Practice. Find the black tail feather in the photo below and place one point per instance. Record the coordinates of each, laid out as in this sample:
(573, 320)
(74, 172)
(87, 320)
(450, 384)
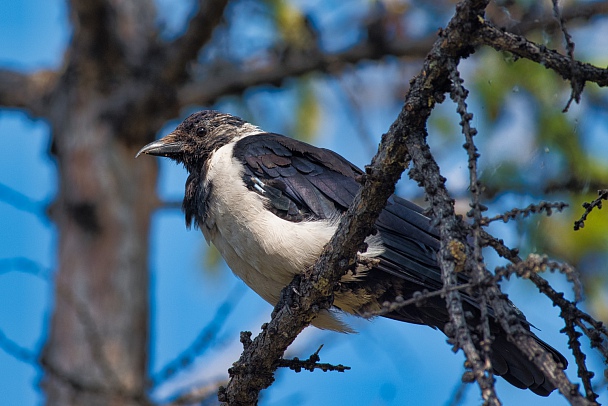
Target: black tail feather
(518, 370)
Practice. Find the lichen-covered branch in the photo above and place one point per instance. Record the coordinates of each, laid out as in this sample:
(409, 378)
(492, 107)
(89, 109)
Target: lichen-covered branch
(483, 376)
(546, 207)
(520, 46)
(254, 370)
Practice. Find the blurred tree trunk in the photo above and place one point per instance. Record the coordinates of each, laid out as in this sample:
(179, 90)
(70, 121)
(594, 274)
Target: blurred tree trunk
(118, 86)
(97, 348)
(99, 328)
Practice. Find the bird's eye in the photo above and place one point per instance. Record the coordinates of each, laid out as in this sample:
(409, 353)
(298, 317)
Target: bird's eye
(201, 131)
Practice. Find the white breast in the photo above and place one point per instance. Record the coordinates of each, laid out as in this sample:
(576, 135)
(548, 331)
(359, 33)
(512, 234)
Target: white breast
(262, 249)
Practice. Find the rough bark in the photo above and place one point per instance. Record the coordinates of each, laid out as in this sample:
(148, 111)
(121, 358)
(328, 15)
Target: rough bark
(405, 142)
(97, 348)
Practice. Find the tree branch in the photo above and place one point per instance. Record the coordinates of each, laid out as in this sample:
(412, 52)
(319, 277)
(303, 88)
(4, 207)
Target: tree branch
(254, 370)
(26, 91)
(523, 48)
(25, 265)
(183, 50)
(547, 207)
(483, 371)
(569, 312)
(584, 11)
(202, 341)
(451, 228)
(603, 195)
(223, 79)
(311, 364)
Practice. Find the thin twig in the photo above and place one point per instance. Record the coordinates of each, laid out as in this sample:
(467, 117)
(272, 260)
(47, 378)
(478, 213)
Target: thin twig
(484, 377)
(576, 83)
(603, 195)
(418, 298)
(16, 351)
(202, 341)
(529, 269)
(311, 364)
(22, 202)
(579, 356)
(547, 207)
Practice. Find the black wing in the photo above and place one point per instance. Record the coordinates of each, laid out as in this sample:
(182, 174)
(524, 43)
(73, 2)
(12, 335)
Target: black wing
(300, 181)
(303, 182)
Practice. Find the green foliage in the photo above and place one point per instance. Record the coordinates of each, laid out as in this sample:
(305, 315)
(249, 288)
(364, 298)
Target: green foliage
(506, 175)
(568, 165)
(443, 126)
(211, 260)
(308, 111)
(500, 75)
(554, 130)
(556, 235)
(291, 24)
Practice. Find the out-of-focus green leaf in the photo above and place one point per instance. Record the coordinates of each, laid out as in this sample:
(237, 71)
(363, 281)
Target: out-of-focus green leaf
(503, 75)
(504, 176)
(443, 126)
(291, 24)
(556, 234)
(554, 130)
(597, 296)
(555, 237)
(212, 259)
(308, 111)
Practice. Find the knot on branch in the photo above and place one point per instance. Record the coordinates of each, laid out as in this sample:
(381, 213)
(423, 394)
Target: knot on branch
(311, 364)
(457, 252)
(245, 339)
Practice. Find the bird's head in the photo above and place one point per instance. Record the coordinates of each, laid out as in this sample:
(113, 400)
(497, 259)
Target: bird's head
(198, 136)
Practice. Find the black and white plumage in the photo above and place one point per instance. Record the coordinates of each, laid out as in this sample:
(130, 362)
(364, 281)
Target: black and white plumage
(270, 203)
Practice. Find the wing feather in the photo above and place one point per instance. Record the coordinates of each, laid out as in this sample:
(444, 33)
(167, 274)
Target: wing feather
(302, 182)
(305, 182)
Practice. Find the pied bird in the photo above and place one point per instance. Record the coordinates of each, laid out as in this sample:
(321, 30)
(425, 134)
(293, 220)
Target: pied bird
(270, 203)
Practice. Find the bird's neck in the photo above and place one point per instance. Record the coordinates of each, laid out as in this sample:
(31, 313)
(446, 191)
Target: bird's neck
(196, 197)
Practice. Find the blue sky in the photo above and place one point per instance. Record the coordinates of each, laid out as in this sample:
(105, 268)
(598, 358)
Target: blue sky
(32, 35)
(392, 362)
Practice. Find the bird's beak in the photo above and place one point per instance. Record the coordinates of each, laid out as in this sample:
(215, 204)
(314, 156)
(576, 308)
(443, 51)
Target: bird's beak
(167, 146)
